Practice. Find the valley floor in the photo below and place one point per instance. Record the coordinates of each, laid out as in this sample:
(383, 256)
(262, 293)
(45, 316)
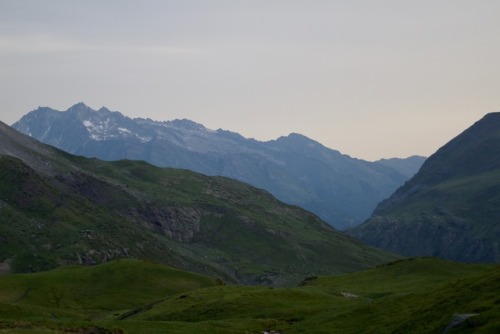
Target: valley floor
(420, 295)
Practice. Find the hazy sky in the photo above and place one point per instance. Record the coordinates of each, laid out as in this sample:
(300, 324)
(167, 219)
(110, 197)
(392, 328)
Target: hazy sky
(370, 78)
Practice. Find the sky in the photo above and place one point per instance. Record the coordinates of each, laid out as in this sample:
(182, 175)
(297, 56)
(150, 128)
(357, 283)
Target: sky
(372, 79)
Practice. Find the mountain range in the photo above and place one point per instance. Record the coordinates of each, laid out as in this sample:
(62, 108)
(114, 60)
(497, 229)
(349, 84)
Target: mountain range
(341, 190)
(59, 209)
(451, 207)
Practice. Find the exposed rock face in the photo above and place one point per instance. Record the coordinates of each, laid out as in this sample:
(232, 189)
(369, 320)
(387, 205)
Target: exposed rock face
(95, 256)
(448, 238)
(458, 319)
(5, 267)
(179, 223)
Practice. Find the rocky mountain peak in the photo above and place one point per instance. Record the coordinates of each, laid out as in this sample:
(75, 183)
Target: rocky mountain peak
(475, 150)
(79, 107)
(104, 110)
(187, 124)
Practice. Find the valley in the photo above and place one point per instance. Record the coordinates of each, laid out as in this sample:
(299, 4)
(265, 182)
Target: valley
(94, 246)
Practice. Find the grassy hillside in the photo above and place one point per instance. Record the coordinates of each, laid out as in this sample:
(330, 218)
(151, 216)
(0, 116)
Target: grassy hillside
(451, 207)
(59, 209)
(78, 297)
(121, 284)
(419, 295)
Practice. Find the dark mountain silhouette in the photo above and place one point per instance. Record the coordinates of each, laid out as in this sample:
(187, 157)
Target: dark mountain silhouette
(451, 207)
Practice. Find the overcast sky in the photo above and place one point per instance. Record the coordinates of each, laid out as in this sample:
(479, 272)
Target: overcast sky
(370, 78)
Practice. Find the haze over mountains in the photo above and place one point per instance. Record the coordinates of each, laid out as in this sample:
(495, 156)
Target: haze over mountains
(297, 170)
(451, 207)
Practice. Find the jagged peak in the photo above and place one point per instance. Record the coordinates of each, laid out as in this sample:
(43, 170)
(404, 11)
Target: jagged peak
(297, 138)
(80, 105)
(229, 134)
(42, 108)
(297, 141)
(104, 110)
(187, 123)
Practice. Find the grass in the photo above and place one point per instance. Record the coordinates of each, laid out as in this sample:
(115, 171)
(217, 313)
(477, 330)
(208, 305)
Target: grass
(454, 219)
(418, 295)
(122, 284)
(92, 211)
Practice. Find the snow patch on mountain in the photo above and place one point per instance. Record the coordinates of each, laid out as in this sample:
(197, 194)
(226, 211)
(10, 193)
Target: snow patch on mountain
(124, 130)
(95, 130)
(143, 139)
(109, 129)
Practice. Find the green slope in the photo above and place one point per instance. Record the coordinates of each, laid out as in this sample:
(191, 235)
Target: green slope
(59, 209)
(77, 297)
(419, 295)
(121, 284)
(451, 207)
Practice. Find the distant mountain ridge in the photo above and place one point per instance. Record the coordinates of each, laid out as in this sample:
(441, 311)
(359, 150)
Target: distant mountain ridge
(341, 190)
(451, 207)
(408, 166)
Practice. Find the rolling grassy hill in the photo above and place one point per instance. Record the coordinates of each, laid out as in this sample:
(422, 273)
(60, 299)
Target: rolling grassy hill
(58, 209)
(420, 295)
